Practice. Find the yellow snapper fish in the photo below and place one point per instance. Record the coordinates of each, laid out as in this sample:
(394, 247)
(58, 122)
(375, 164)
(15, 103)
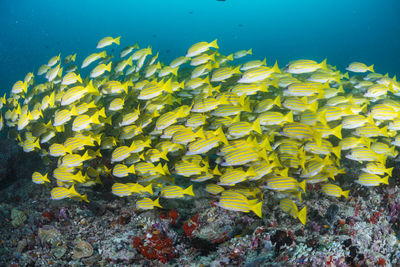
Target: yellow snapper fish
(334, 190)
(122, 152)
(147, 203)
(100, 69)
(359, 67)
(92, 58)
(258, 74)
(53, 61)
(207, 117)
(291, 208)
(305, 66)
(128, 189)
(242, 53)
(200, 47)
(38, 178)
(368, 179)
(253, 64)
(127, 50)
(58, 193)
(237, 202)
(106, 41)
(173, 191)
(71, 78)
(377, 168)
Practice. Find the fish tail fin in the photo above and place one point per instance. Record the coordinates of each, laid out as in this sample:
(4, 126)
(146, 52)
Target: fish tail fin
(250, 172)
(385, 180)
(302, 185)
(73, 58)
(264, 62)
(288, 117)
(277, 101)
(163, 155)
(189, 191)
(72, 190)
(160, 169)
(84, 198)
(246, 105)
(256, 126)
(45, 178)
(166, 170)
(323, 65)
(215, 171)
(371, 68)
(132, 146)
(60, 128)
(95, 118)
(156, 202)
(103, 54)
(313, 106)
(86, 156)
(389, 171)
(383, 131)
(131, 169)
(266, 144)
(322, 117)
(36, 144)
(237, 70)
(346, 193)
(108, 66)
(221, 136)
(302, 215)
(117, 40)
(174, 71)
(275, 68)
(200, 133)
(214, 44)
(149, 189)
(257, 208)
(250, 51)
(370, 119)
(337, 131)
(337, 151)
(129, 61)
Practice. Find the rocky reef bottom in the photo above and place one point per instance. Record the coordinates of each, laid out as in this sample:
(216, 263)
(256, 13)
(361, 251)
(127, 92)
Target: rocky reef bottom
(36, 231)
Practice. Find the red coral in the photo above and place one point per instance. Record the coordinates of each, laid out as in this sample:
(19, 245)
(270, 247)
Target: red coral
(381, 262)
(191, 225)
(330, 261)
(155, 246)
(48, 215)
(163, 216)
(173, 214)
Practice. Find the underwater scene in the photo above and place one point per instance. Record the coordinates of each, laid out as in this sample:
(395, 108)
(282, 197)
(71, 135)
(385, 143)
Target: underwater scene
(199, 133)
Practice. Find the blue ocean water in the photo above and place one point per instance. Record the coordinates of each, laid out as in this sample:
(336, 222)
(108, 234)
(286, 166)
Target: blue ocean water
(342, 31)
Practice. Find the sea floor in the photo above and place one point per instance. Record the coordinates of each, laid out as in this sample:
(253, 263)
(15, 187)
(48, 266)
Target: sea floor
(37, 231)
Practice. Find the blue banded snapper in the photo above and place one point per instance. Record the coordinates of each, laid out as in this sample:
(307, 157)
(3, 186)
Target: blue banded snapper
(106, 41)
(173, 191)
(248, 126)
(58, 193)
(290, 207)
(368, 179)
(147, 203)
(237, 202)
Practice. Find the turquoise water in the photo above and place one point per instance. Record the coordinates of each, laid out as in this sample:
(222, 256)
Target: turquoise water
(342, 31)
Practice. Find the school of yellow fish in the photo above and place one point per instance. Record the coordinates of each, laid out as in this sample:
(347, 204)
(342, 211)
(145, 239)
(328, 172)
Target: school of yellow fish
(235, 129)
